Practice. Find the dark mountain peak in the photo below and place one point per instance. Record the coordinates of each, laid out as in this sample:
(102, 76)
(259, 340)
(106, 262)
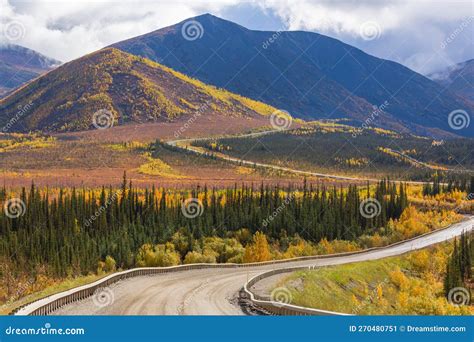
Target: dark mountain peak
(19, 65)
(17, 54)
(211, 21)
(457, 78)
(310, 75)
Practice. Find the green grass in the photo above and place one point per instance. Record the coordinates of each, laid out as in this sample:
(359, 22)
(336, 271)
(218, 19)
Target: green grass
(409, 285)
(64, 285)
(333, 288)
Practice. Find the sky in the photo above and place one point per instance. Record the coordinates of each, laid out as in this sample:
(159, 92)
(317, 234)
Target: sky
(426, 36)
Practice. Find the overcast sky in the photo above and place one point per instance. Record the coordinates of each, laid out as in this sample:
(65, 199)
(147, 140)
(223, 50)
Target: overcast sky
(423, 35)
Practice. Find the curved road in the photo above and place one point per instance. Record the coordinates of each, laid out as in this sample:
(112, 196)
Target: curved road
(215, 291)
(179, 144)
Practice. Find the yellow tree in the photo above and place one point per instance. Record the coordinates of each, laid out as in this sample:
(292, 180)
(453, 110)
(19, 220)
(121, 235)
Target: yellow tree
(258, 250)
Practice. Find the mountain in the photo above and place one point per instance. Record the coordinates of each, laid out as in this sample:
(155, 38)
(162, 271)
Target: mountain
(19, 65)
(111, 85)
(310, 75)
(458, 78)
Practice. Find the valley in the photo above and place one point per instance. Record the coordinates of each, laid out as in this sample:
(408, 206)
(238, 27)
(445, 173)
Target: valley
(225, 156)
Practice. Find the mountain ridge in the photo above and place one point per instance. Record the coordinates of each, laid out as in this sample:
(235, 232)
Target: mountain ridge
(310, 75)
(19, 65)
(125, 88)
(457, 78)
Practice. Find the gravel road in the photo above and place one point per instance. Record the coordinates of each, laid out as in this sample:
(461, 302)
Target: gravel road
(214, 291)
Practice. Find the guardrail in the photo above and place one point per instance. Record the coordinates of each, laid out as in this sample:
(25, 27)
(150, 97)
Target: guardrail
(51, 303)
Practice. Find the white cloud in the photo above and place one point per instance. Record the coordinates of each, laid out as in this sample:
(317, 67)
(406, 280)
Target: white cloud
(69, 29)
(411, 32)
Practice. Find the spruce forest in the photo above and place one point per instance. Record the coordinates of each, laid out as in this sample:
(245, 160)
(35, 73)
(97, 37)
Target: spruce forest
(71, 231)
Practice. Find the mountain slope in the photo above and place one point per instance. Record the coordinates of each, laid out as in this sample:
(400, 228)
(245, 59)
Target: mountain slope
(19, 65)
(308, 74)
(458, 79)
(122, 87)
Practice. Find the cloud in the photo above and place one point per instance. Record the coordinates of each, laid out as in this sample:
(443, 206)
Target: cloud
(410, 32)
(69, 29)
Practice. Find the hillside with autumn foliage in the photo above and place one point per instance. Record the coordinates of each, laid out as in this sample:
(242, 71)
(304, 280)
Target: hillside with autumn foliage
(124, 88)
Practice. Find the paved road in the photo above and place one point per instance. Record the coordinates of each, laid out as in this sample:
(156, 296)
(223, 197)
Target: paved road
(426, 165)
(186, 144)
(214, 291)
